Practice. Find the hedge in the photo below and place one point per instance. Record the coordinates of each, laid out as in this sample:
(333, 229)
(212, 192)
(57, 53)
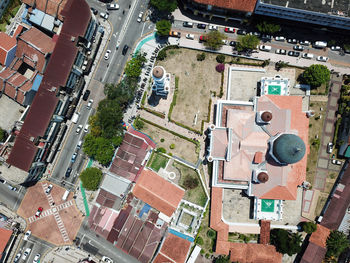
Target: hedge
(186, 127)
(208, 116)
(173, 102)
(156, 113)
(222, 85)
(143, 100)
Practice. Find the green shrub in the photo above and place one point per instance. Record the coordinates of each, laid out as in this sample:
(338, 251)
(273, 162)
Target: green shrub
(144, 97)
(91, 178)
(201, 56)
(200, 241)
(173, 102)
(211, 233)
(139, 124)
(190, 182)
(162, 140)
(309, 227)
(172, 146)
(162, 55)
(220, 58)
(161, 150)
(207, 255)
(156, 113)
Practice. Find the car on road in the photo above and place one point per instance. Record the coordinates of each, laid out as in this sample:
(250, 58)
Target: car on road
(280, 38)
(107, 54)
(281, 51)
(213, 27)
(175, 34)
(139, 18)
(229, 30)
(12, 188)
(292, 41)
(233, 43)
(125, 50)
(74, 157)
(27, 235)
(26, 253)
(112, 7)
(187, 24)
(298, 48)
(79, 144)
(293, 53)
(79, 129)
(86, 128)
(190, 36)
(94, 11)
(257, 34)
(49, 188)
(320, 44)
(68, 172)
(39, 211)
(17, 258)
(203, 38)
(201, 26)
(335, 48)
(336, 162)
(104, 15)
(241, 32)
(304, 42)
(330, 147)
(36, 258)
(107, 259)
(86, 95)
(2, 181)
(265, 48)
(91, 101)
(322, 58)
(307, 55)
(266, 37)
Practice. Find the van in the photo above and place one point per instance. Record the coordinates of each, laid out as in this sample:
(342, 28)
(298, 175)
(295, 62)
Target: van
(75, 117)
(65, 195)
(320, 44)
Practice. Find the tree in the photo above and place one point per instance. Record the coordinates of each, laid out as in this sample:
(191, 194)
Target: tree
(2, 135)
(190, 182)
(164, 5)
(220, 67)
(201, 56)
(223, 259)
(134, 66)
(211, 233)
(101, 149)
(139, 124)
(220, 58)
(91, 178)
(247, 42)
(337, 242)
(162, 54)
(316, 75)
(286, 242)
(163, 27)
(214, 39)
(268, 28)
(309, 227)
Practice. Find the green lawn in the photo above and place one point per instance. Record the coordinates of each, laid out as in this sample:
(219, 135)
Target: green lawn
(158, 161)
(196, 195)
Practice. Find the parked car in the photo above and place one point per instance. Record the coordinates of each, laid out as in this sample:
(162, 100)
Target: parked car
(36, 258)
(12, 188)
(307, 55)
(79, 128)
(107, 54)
(79, 144)
(292, 41)
(213, 27)
(336, 162)
(322, 59)
(320, 44)
(94, 11)
(229, 30)
(187, 24)
(175, 34)
(68, 172)
(74, 157)
(27, 235)
(294, 53)
(201, 26)
(107, 259)
(49, 188)
(266, 37)
(125, 50)
(104, 15)
(233, 43)
(91, 101)
(190, 36)
(26, 253)
(203, 38)
(304, 42)
(224, 41)
(17, 258)
(281, 51)
(241, 32)
(298, 48)
(86, 95)
(335, 48)
(265, 48)
(139, 18)
(38, 212)
(86, 128)
(112, 6)
(330, 147)
(2, 181)
(280, 38)
(257, 34)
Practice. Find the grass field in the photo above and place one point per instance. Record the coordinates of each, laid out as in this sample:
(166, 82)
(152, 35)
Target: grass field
(158, 161)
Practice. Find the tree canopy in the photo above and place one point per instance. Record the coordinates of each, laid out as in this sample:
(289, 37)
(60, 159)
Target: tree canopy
(247, 42)
(164, 5)
(2, 135)
(163, 27)
(316, 75)
(214, 39)
(268, 28)
(285, 241)
(134, 66)
(337, 242)
(309, 227)
(222, 259)
(91, 178)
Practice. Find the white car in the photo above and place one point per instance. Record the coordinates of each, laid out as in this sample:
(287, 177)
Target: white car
(281, 51)
(107, 54)
(336, 162)
(104, 15)
(48, 189)
(107, 259)
(322, 59)
(79, 128)
(36, 258)
(280, 38)
(213, 27)
(17, 258)
(330, 147)
(86, 128)
(265, 48)
(90, 103)
(190, 36)
(335, 48)
(225, 42)
(27, 235)
(26, 253)
(112, 6)
(307, 55)
(139, 18)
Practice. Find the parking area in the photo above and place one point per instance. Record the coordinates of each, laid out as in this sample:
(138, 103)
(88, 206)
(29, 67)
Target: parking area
(59, 220)
(10, 111)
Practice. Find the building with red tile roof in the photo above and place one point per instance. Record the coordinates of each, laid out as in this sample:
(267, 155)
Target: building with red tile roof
(51, 7)
(234, 5)
(158, 192)
(252, 253)
(174, 249)
(8, 45)
(5, 236)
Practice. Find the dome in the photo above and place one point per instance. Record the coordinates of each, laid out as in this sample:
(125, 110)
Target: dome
(266, 116)
(289, 148)
(263, 177)
(158, 72)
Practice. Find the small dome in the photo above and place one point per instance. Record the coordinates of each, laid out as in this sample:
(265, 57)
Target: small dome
(263, 177)
(289, 148)
(266, 116)
(158, 72)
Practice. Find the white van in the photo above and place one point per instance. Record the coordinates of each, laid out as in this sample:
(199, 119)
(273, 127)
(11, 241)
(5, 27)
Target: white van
(320, 44)
(265, 48)
(65, 195)
(75, 117)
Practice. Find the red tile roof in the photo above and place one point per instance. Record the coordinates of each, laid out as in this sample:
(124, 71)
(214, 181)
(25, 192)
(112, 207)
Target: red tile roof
(239, 5)
(253, 253)
(319, 237)
(174, 249)
(51, 7)
(264, 232)
(7, 42)
(158, 192)
(313, 254)
(258, 157)
(38, 40)
(5, 235)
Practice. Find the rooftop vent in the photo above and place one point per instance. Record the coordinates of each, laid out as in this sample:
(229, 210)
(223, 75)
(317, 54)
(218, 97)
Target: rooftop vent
(263, 177)
(263, 117)
(72, 39)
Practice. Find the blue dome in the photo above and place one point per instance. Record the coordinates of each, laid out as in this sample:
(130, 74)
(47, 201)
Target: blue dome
(289, 148)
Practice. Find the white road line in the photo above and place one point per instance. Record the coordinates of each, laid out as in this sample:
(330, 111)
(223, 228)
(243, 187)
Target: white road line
(143, 29)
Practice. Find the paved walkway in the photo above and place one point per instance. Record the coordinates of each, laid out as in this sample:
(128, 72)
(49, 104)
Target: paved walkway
(66, 254)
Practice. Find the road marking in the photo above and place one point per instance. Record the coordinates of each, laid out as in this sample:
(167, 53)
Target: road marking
(143, 27)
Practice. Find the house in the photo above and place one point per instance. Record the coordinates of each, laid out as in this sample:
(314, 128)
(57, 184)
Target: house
(5, 239)
(51, 7)
(8, 45)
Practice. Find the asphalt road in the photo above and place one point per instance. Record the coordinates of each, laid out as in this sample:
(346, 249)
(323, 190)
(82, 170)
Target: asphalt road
(11, 199)
(36, 245)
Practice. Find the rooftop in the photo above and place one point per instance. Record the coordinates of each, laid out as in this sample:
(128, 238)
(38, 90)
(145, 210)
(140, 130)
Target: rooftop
(247, 253)
(38, 40)
(239, 5)
(51, 7)
(158, 192)
(5, 236)
(7, 42)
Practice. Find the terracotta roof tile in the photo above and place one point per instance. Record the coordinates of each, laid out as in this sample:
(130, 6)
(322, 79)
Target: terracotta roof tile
(264, 232)
(313, 254)
(7, 42)
(319, 237)
(38, 40)
(239, 5)
(253, 253)
(258, 157)
(5, 235)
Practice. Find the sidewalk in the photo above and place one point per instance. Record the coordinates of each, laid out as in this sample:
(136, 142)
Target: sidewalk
(66, 254)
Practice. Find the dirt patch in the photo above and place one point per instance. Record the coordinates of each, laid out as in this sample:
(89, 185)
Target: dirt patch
(196, 80)
(164, 139)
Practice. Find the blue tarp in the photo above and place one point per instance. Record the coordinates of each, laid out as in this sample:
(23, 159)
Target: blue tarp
(37, 17)
(179, 234)
(37, 82)
(144, 209)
